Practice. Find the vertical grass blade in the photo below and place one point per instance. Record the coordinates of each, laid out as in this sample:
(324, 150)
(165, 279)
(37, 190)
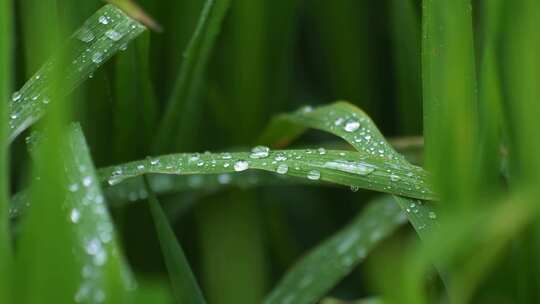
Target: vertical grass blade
(77, 236)
(406, 44)
(183, 282)
(182, 107)
(321, 269)
(6, 83)
(449, 88)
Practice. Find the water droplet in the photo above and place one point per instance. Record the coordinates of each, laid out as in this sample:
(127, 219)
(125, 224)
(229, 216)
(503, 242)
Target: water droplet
(74, 187)
(314, 175)
(75, 215)
(113, 35)
(140, 167)
(351, 126)
(104, 20)
(226, 156)
(282, 169)
(280, 157)
(359, 168)
(432, 215)
(338, 122)
(224, 179)
(322, 151)
(87, 181)
(85, 35)
(16, 96)
(154, 161)
(394, 177)
(355, 188)
(45, 100)
(97, 57)
(259, 152)
(241, 165)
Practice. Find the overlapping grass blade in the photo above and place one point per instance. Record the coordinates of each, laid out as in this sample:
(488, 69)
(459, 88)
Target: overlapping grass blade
(91, 259)
(339, 118)
(340, 167)
(184, 285)
(6, 82)
(182, 107)
(105, 33)
(321, 269)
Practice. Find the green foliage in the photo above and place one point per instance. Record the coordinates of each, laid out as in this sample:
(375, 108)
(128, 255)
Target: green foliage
(267, 224)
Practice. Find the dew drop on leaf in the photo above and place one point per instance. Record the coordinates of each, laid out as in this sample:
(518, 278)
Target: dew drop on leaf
(282, 169)
(351, 126)
(314, 175)
(241, 165)
(259, 152)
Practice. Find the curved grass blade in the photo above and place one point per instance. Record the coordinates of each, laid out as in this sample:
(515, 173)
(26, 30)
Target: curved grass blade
(355, 127)
(339, 167)
(105, 33)
(93, 263)
(182, 105)
(184, 284)
(6, 81)
(320, 270)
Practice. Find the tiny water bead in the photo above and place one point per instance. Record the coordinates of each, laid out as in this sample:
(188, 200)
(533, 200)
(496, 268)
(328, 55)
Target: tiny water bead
(314, 175)
(394, 177)
(259, 152)
(241, 165)
(351, 126)
(75, 215)
(282, 169)
(432, 215)
(85, 35)
(16, 96)
(358, 168)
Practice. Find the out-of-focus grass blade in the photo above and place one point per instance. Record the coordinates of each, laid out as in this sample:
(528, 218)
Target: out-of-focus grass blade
(450, 103)
(105, 33)
(136, 12)
(6, 81)
(183, 282)
(91, 264)
(363, 301)
(182, 106)
(339, 167)
(321, 269)
(406, 49)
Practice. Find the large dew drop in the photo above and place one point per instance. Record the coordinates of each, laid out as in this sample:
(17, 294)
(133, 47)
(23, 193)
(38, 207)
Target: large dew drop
(359, 168)
(241, 165)
(113, 35)
(351, 126)
(259, 152)
(282, 169)
(314, 175)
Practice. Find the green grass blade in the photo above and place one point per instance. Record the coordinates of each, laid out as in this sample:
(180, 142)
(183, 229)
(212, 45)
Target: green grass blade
(183, 282)
(182, 107)
(93, 268)
(339, 167)
(320, 270)
(450, 104)
(6, 83)
(105, 33)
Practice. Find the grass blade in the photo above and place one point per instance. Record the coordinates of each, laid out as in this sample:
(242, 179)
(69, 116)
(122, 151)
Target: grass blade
(90, 255)
(103, 35)
(6, 83)
(450, 103)
(182, 107)
(183, 282)
(339, 167)
(320, 270)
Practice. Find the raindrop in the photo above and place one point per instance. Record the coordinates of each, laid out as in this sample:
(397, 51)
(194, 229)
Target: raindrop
(16, 96)
(355, 188)
(359, 168)
(351, 126)
(87, 181)
(74, 187)
(241, 165)
(113, 35)
(432, 215)
(97, 57)
(282, 169)
(104, 20)
(314, 175)
(394, 177)
(85, 35)
(322, 151)
(75, 215)
(259, 152)
(226, 156)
